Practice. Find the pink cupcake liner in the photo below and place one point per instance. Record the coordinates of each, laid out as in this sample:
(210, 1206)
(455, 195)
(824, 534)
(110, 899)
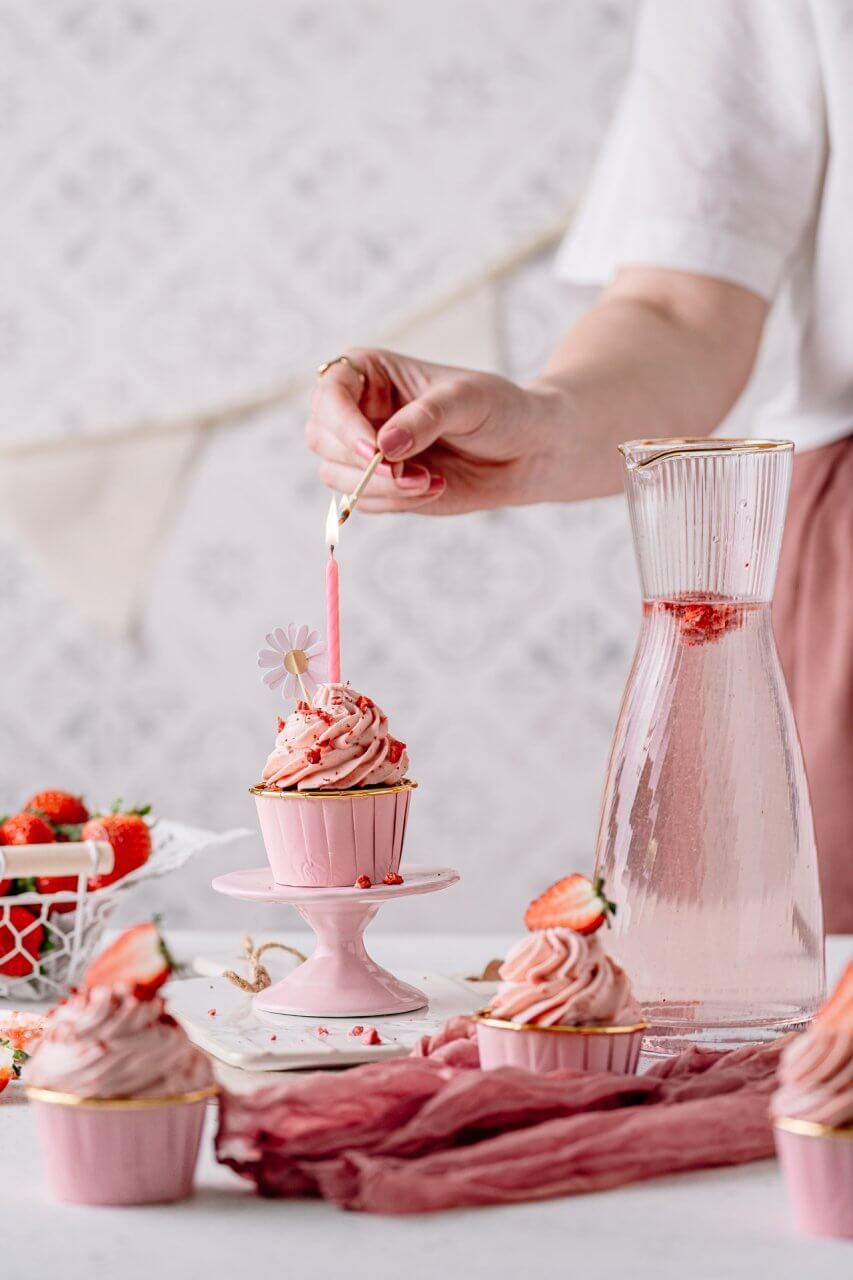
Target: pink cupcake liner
(817, 1164)
(329, 839)
(138, 1151)
(513, 1044)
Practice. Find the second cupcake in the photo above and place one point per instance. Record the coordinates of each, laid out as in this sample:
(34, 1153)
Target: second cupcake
(563, 1003)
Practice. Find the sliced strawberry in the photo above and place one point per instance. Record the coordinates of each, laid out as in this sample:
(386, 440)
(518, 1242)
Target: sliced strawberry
(138, 959)
(574, 902)
(27, 828)
(837, 1013)
(58, 807)
(22, 1031)
(22, 927)
(130, 838)
(7, 1064)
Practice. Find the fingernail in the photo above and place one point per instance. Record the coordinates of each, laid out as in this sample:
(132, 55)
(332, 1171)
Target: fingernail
(365, 449)
(394, 441)
(436, 484)
(416, 477)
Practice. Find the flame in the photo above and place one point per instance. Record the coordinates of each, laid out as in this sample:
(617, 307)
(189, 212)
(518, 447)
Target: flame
(332, 524)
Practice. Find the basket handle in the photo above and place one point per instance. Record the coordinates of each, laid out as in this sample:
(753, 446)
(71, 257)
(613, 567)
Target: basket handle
(86, 857)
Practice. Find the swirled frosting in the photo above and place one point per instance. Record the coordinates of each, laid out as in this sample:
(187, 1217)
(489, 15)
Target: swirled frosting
(108, 1043)
(816, 1077)
(339, 740)
(556, 977)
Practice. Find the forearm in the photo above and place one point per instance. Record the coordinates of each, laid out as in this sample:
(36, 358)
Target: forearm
(662, 354)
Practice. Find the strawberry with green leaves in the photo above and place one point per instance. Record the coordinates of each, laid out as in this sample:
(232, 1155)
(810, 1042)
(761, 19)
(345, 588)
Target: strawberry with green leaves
(130, 837)
(21, 938)
(26, 828)
(60, 808)
(575, 902)
(138, 959)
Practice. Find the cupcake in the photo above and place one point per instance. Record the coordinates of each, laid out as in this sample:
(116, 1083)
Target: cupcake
(334, 798)
(563, 1004)
(813, 1118)
(117, 1089)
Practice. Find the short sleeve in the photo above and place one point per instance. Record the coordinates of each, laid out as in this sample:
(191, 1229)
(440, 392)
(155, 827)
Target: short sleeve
(714, 162)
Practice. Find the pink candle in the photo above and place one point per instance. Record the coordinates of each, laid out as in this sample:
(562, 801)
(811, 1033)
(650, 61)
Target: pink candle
(333, 608)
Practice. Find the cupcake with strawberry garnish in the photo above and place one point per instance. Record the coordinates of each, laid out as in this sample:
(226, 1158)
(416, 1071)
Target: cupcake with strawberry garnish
(813, 1117)
(334, 797)
(563, 1004)
(118, 1089)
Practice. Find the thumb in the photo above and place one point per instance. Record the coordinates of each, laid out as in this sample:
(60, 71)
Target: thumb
(452, 409)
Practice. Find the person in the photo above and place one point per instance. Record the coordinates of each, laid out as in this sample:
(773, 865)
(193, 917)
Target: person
(726, 179)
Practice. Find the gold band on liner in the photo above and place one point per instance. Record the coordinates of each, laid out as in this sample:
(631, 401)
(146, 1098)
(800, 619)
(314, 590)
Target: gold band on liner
(331, 794)
(488, 1020)
(128, 1104)
(813, 1128)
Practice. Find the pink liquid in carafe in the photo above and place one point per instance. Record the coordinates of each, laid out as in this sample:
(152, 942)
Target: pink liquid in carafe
(706, 838)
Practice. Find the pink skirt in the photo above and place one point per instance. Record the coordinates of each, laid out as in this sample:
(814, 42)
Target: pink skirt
(813, 622)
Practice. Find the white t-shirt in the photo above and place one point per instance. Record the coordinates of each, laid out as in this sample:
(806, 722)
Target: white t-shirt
(732, 155)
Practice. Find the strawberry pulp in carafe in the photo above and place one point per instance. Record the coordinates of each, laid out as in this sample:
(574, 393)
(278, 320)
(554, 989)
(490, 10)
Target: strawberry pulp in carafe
(706, 840)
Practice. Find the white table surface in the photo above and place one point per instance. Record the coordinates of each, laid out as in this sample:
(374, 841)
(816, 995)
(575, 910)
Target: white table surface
(726, 1224)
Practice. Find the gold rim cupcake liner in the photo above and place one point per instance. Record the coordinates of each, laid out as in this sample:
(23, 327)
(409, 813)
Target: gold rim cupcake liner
(485, 1017)
(331, 793)
(57, 1098)
(812, 1128)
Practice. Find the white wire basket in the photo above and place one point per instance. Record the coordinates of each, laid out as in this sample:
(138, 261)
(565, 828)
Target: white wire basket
(43, 950)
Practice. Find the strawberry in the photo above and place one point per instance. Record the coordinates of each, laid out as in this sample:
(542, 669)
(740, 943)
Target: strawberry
(27, 828)
(58, 807)
(572, 903)
(138, 959)
(22, 927)
(130, 838)
(7, 1064)
(837, 1013)
(57, 884)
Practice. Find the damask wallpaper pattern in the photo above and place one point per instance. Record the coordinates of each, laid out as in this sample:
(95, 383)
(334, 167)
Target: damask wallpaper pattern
(202, 199)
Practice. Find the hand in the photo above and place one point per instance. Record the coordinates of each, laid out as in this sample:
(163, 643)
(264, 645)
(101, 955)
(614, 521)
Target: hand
(455, 440)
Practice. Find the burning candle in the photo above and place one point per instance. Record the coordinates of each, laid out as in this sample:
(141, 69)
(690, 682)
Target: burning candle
(333, 607)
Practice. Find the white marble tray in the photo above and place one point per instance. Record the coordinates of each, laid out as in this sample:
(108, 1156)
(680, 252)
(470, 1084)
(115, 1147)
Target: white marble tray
(240, 1037)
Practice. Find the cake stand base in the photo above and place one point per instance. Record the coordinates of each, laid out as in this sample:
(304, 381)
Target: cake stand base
(339, 979)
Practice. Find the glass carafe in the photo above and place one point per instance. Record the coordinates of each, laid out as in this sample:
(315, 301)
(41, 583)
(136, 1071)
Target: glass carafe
(706, 840)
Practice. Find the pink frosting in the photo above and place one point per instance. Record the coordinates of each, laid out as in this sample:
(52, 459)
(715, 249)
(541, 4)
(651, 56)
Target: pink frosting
(816, 1077)
(107, 1043)
(340, 740)
(556, 977)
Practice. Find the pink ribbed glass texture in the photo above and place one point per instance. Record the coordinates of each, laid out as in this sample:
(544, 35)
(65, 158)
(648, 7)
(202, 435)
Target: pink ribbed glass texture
(706, 839)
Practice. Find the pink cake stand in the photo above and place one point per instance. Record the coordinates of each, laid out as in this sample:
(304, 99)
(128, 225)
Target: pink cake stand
(339, 979)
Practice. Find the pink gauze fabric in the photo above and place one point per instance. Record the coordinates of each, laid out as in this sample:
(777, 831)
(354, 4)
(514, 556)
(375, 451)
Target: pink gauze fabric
(431, 1131)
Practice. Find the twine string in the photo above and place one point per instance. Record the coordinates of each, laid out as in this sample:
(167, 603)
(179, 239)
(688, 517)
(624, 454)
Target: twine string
(259, 978)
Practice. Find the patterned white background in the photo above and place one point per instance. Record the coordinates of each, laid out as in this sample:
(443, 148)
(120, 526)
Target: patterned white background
(201, 199)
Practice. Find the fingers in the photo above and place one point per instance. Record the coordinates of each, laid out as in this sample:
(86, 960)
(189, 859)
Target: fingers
(414, 481)
(454, 407)
(381, 506)
(336, 413)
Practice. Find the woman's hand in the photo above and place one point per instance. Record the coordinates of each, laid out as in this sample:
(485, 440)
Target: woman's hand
(455, 440)
(663, 353)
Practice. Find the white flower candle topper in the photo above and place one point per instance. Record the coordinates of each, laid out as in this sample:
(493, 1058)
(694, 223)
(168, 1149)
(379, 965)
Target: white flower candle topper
(294, 661)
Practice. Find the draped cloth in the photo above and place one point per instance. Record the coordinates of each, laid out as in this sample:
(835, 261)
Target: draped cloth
(813, 623)
(432, 1131)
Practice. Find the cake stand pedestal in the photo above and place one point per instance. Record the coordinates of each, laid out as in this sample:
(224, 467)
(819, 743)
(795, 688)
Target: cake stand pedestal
(339, 979)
